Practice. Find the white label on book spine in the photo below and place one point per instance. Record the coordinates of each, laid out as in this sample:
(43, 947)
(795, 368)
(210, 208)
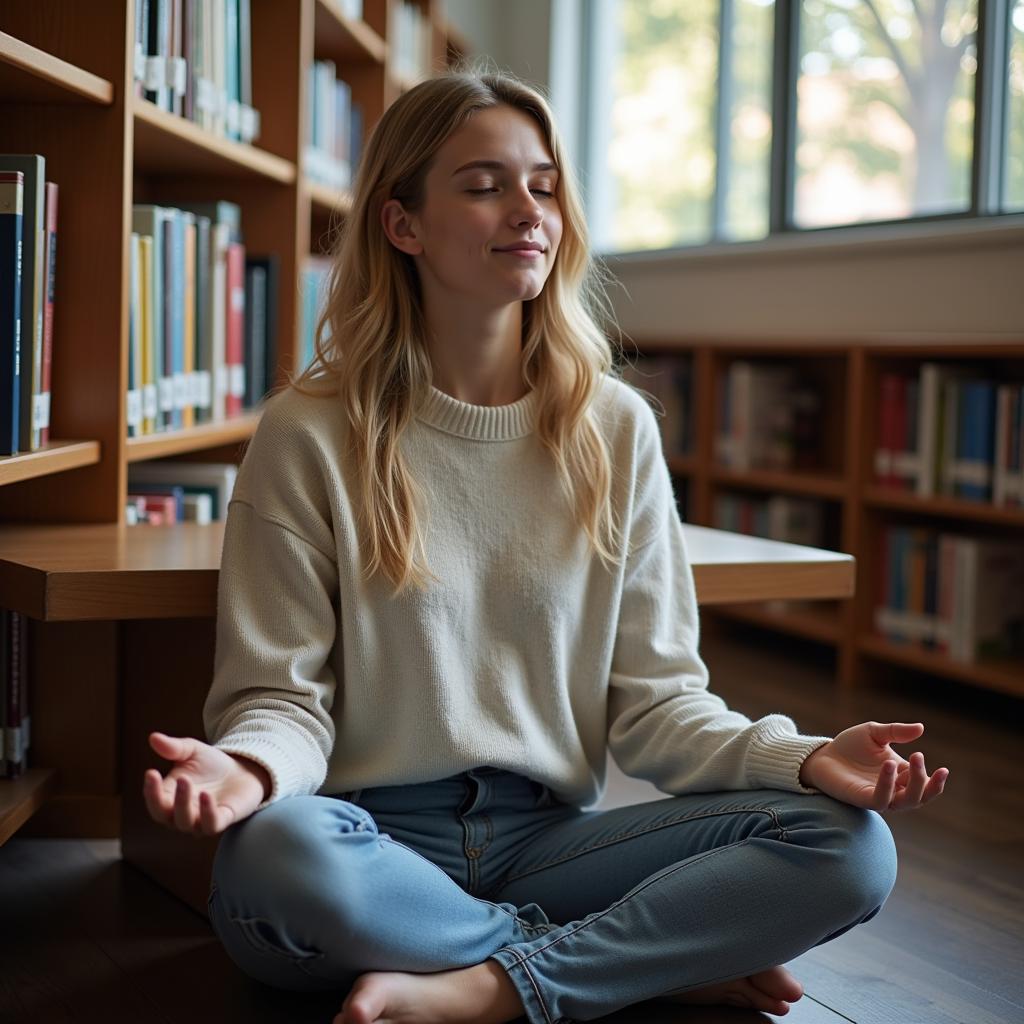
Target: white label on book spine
(13, 744)
(237, 381)
(179, 391)
(139, 67)
(177, 74)
(134, 408)
(222, 380)
(149, 403)
(166, 385)
(41, 411)
(234, 116)
(205, 95)
(205, 382)
(249, 125)
(156, 73)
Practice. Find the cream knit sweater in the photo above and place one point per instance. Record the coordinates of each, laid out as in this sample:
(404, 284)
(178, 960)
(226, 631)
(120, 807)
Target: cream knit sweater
(528, 655)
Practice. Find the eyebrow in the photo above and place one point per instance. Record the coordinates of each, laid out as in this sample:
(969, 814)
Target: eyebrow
(497, 165)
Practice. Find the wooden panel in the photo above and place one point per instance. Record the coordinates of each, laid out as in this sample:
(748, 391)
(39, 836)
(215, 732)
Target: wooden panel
(166, 671)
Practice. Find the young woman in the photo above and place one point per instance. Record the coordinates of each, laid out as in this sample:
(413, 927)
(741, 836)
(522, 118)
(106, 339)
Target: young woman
(453, 578)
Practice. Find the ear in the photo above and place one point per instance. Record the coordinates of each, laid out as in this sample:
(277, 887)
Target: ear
(399, 228)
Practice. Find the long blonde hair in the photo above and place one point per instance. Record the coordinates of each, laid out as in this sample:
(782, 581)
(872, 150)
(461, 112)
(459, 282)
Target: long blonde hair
(370, 343)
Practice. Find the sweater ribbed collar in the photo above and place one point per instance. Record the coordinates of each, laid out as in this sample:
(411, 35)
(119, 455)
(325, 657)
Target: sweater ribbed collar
(479, 422)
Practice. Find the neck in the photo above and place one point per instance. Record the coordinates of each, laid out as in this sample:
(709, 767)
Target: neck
(478, 358)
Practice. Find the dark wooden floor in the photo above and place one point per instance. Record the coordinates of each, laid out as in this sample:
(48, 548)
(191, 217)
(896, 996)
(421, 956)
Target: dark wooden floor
(84, 937)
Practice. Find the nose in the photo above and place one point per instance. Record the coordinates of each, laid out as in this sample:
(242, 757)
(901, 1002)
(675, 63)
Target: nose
(527, 209)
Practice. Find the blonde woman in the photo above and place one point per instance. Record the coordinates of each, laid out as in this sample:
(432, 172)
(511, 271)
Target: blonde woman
(454, 577)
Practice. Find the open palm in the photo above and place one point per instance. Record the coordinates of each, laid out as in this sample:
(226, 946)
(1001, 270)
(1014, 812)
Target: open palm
(860, 768)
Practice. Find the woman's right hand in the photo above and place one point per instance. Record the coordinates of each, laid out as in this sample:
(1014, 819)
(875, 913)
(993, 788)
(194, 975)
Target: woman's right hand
(207, 789)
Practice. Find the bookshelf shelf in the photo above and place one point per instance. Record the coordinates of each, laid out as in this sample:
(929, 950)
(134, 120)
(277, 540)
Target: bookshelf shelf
(326, 200)
(20, 798)
(856, 507)
(345, 39)
(166, 144)
(946, 508)
(31, 75)
(192, 439)
(56, 457)
(1005, 675)
(830, 487)
(67, 559)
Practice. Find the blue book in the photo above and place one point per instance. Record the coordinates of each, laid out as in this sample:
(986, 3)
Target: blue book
(977, 441)
(12, 198)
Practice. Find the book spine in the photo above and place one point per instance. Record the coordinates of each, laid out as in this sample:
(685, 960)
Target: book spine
(12, 198)
(50, 262)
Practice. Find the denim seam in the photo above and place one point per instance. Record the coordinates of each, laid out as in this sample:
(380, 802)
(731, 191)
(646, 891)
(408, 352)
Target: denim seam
(618, 903)
(520, 961)
(611, 840)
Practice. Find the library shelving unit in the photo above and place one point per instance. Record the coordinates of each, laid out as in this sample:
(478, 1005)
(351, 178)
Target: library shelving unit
(856, 508)
(116, 610)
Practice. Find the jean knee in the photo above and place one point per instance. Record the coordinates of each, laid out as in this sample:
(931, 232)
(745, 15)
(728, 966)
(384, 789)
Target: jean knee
(283, 846)
(867, 864)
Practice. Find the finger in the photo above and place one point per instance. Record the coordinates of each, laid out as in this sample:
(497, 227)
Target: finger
(916, 781)
(213, 817)
(885, 786)
(903, 732)
(172, 748)
(184, 818)
(936, 785)
(153, 793)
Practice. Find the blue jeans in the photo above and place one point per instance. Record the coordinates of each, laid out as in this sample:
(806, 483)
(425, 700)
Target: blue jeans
(586, 910)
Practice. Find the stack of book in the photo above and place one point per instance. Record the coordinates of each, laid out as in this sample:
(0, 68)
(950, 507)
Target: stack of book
(779, 517)
(14, 694)
(202, 320)
(160, 493)
(957, 595)
(411, 50)
(194, 58)
(315, 273)
(768, 418)
(948, 430)
(28, 260)
(668, 380)
(332, 152)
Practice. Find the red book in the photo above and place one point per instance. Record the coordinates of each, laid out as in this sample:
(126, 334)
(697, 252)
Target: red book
(234, 348)
(50, 276)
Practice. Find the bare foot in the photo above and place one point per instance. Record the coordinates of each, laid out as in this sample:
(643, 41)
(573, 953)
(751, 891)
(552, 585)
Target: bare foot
(482, 994)
(770, 990)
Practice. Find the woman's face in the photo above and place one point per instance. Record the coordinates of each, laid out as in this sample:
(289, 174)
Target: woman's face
(472, 213)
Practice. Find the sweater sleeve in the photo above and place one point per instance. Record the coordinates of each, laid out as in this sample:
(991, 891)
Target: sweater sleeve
(277, 610)
(664, 724)
(273, 688)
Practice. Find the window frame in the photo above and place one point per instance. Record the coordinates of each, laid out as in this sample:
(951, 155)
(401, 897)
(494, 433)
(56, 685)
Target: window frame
(988, 158)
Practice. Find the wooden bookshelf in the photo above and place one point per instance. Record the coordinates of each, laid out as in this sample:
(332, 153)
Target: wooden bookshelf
(856, 505)
(66, 76)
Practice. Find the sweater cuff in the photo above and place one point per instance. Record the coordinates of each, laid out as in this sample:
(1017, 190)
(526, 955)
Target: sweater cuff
(286, 777)
(776, 754)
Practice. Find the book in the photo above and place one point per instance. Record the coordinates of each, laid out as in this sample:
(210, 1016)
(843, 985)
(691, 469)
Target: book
(215, 478)
(12, 191)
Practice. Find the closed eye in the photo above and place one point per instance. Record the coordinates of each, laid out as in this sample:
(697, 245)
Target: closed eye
(480, 191)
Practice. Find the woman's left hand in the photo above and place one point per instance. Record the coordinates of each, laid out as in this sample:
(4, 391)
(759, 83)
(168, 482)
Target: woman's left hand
(860, 768)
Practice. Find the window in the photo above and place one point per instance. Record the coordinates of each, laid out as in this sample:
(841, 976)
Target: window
(729, 120)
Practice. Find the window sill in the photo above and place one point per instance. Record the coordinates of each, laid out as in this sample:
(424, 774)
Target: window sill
(967, 232)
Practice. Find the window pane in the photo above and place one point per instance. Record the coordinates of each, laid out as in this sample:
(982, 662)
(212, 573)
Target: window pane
(748, 150)
(1013, 189)
(660, 161)
(885, 109)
